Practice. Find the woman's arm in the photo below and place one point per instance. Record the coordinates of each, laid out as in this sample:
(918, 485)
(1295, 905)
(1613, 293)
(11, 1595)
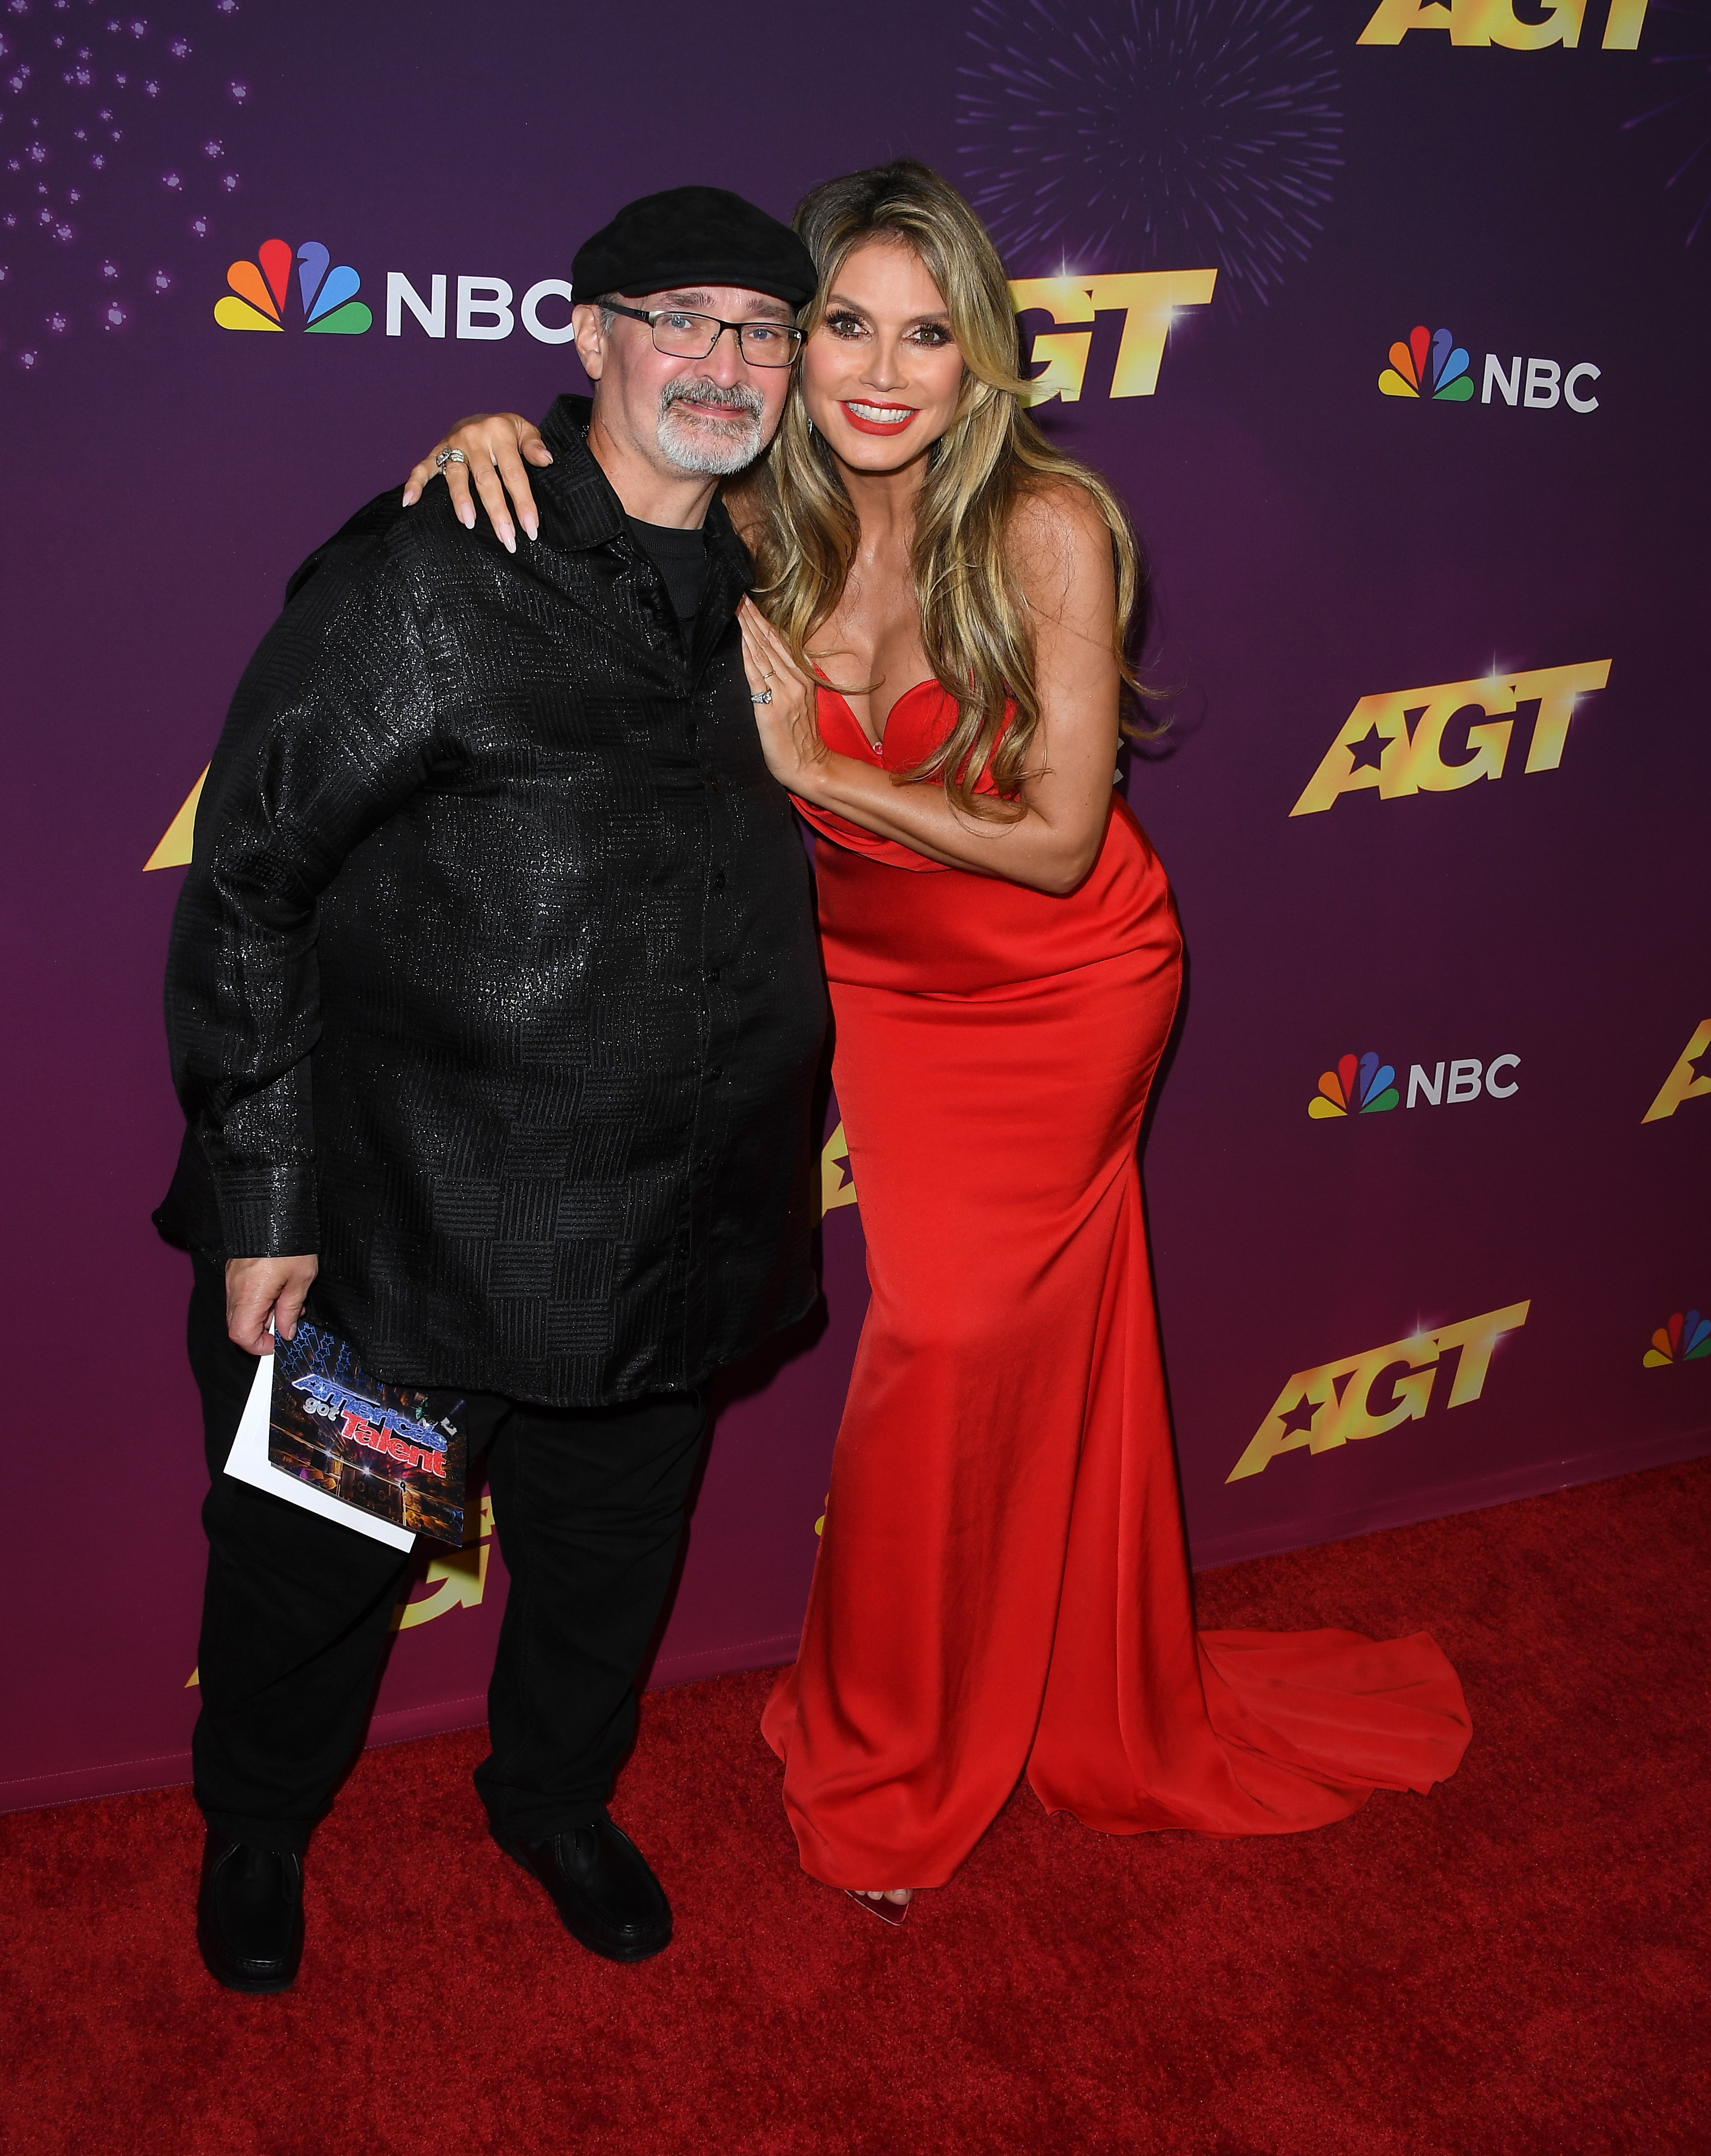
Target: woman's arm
(493, 445)
(1063, 554)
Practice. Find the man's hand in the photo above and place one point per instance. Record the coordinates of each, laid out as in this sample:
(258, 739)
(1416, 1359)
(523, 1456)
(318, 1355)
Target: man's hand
(260, 1288)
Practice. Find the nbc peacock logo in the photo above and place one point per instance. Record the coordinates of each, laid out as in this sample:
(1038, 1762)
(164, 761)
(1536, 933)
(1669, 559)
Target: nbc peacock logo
(1360, 1085)
(1428, 365)
(1687, 1338)
(260, 291)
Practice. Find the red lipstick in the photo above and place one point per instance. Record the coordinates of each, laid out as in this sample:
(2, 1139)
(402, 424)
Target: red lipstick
(864, 425)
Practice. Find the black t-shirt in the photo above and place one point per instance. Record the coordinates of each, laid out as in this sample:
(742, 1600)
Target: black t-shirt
(680, 557)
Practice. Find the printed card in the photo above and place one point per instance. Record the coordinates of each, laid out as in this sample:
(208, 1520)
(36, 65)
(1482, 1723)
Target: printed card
(390, 1451)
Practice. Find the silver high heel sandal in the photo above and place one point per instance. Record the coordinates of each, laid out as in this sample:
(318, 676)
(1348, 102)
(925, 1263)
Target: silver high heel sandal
(887, 1912)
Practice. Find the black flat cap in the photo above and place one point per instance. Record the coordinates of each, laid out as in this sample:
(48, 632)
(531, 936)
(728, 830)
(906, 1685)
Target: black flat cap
(689, 236)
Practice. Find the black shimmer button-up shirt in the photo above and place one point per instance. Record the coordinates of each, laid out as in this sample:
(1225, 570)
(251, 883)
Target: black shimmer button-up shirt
(494, 980)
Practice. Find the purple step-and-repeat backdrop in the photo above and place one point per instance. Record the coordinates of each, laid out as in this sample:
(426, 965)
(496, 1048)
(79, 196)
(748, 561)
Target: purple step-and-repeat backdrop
(1385, 324)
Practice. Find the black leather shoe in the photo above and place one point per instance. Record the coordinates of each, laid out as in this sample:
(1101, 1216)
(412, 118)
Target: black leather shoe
(249, 1915)
(609, 1900)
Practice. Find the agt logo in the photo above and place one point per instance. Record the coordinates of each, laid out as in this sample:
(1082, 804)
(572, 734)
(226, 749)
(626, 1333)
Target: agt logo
(1365, 1395)
(455, 1579)
(1687, 1338)
(837, 1182)
(1433, 366)
(1367, 1086)
(1395, 741)
(1689, 1081)
(1495, 22)
(1148, 300)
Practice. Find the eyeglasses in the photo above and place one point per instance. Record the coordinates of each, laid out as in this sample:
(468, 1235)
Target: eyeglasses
(682, 335)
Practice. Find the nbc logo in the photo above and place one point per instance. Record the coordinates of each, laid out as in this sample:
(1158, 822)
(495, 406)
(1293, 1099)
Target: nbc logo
(1684, 1339)
(260, 290)
(1360, 1085)
(1433, 365)
(1428, 365)
(1366, 1084)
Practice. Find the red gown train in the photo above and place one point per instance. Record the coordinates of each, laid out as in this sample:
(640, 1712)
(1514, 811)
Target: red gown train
(1001, 1585)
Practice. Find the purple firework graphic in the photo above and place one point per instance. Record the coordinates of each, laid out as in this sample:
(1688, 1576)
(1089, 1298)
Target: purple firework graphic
(116, 145)
(1685, 107)
(1143, 133)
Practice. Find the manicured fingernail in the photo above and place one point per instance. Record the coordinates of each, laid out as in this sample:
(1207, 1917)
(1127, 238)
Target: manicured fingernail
(466, 517)
(531, 527)
(508, 540)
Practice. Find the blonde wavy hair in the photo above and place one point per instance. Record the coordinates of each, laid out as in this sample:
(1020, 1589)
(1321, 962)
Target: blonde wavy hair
(802, 530)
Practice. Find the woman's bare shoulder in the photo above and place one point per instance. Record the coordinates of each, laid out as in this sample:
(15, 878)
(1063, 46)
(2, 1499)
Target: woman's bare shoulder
(1057, 534)
(1057, 513)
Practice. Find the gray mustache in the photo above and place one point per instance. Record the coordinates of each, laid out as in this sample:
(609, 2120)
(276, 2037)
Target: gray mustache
(738, 397)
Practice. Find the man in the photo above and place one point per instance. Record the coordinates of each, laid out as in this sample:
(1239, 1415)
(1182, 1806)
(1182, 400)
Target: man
(495, 1013)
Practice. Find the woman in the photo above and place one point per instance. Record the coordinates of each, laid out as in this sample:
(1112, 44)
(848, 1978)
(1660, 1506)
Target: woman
(937, 658)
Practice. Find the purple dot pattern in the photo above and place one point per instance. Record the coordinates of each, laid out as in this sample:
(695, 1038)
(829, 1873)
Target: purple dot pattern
(118, 135)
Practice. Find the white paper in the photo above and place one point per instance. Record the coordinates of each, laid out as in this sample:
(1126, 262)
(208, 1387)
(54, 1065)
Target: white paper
(248, 1462)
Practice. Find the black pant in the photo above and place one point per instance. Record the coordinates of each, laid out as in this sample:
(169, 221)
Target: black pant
(589, 1507)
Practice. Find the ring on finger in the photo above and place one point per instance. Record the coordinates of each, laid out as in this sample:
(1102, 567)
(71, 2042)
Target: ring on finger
(760, 697)
(444, 457)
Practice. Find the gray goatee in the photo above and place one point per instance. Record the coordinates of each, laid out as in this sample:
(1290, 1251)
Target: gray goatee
(716, 447)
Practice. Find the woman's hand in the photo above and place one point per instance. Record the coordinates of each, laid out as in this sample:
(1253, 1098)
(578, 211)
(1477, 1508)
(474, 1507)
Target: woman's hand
(788, 719)
(494, 446)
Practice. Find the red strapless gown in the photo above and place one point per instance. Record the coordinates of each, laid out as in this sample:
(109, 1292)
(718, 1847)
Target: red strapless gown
(1002, 1584)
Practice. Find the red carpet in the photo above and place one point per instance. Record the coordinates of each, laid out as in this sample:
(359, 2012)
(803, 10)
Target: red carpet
(1514, 1965)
